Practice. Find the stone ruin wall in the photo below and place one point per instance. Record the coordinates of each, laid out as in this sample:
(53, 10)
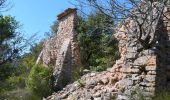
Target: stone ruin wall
(147, 71)
(62, 50)
(52, 46)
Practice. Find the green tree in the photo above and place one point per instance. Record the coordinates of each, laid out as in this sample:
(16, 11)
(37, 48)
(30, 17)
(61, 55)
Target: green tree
(98, 46)
(141, 12)
(26, 62)
(10, 44)
(39, 81)
(14, 87)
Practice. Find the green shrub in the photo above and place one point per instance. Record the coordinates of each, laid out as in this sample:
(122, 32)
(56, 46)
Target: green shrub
(16, 81)
(77, 73)
(18, 94)
(100, 68)
(12, 83)
(80, 82)
(101, 64)
(98, 47)
(137, 94)
(39, 81)
(162, 95)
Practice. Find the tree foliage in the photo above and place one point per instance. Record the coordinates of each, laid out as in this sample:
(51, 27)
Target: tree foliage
(97, 45)
(14, 85)
(39, 81)
(144, 13)
(10, 44)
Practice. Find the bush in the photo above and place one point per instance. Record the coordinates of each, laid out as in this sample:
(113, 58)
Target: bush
(18, 94)
(77, 72)
(39, 81)
(17, 81)
(12, 83)
(98, 47)
(162, 95)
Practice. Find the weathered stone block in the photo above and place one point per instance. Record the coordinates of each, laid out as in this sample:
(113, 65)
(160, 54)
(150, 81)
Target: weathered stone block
(135, 77)
(122, 97)
(131, 49)
(152, 73)
(130, 70)
(149, 89)
(151, 61)
(150, 68)
(141, 61)
(131, 55)
(91, 83)
(150, 78)
(126, 82)
(148, 52)
(147, 84)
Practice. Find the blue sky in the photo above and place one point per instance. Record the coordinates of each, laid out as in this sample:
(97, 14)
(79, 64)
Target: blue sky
(36, 16)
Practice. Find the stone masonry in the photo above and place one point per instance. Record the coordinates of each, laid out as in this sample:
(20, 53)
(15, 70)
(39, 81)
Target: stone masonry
(62, 51)
(134, 75)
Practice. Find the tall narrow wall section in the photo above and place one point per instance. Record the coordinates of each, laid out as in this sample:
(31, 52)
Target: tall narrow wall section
(62, 50)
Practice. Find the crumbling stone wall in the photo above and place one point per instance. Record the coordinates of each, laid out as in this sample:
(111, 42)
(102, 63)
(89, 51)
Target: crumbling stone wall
(138, 68)
(62, 50)
(145, 72)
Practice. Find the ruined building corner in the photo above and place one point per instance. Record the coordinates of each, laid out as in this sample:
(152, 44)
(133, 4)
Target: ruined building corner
(62, 51)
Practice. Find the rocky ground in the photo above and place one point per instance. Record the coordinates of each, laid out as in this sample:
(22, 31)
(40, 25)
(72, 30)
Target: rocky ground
(92, 86)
